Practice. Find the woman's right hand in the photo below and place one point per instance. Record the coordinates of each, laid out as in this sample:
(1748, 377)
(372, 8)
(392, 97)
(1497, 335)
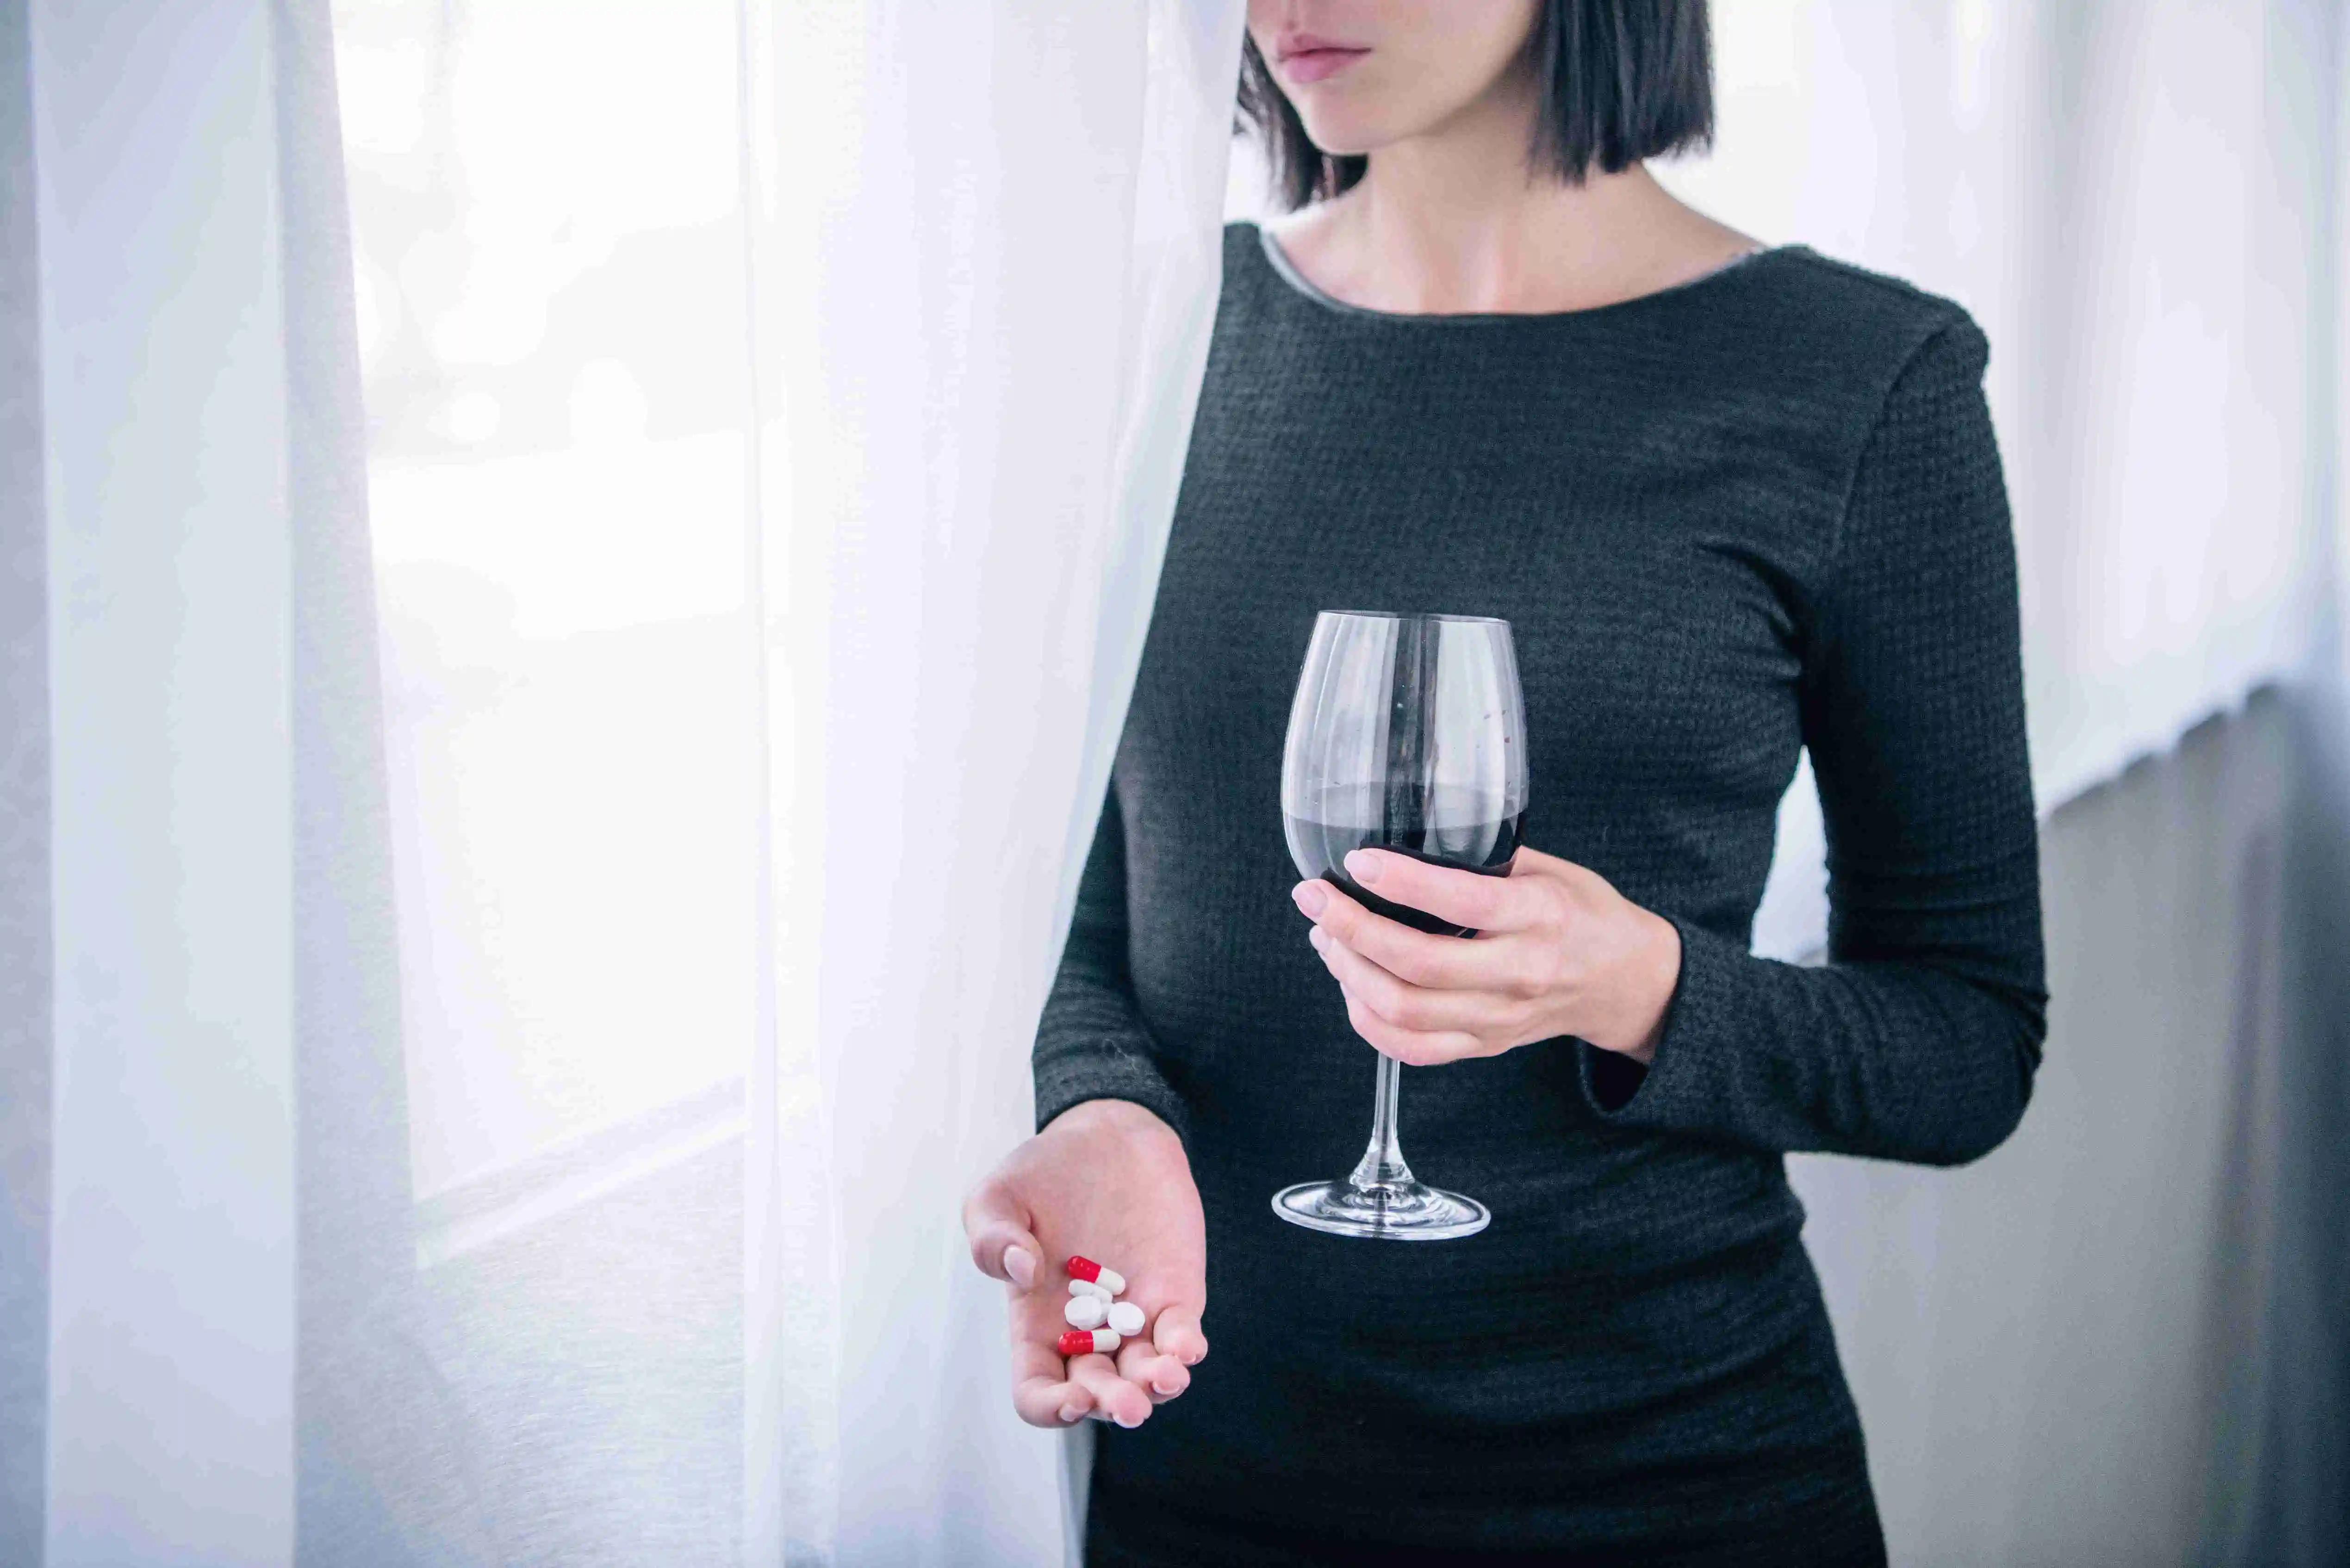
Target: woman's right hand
(1108, 1180)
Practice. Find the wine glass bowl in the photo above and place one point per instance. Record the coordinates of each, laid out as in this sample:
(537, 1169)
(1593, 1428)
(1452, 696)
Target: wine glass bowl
(1406, 733)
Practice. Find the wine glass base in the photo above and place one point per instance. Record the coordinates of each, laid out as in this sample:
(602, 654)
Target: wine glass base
(1406, 1212)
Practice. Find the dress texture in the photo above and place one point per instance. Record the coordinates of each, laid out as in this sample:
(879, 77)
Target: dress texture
(1757, 512)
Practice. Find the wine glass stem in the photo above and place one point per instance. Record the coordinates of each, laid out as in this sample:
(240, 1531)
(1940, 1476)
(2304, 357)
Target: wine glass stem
(1382, 1167)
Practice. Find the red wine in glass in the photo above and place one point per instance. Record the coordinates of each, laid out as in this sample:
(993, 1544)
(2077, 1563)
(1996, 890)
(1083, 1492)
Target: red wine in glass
(1466, 841)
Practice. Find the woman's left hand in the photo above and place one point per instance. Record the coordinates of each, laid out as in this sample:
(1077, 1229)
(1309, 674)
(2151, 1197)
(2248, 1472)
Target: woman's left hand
(1558, 951)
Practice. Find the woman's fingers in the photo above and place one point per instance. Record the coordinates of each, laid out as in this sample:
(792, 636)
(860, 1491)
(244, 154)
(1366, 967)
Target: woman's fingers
(1419, 1026)
(1161, 1364)
(1397, 1001)
(1446, 962)
(1177, 1334)
(1043, 1393)
(996, 1224)
(1407, 1047)
(1160, 1378)
(1112, 1394)
(1403, 1004)
(1048, 1400)
(1463, 897)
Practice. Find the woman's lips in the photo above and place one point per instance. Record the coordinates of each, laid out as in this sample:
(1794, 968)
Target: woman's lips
(1316, 62)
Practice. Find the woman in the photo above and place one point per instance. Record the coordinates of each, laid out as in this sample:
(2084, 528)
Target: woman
(1735, 502)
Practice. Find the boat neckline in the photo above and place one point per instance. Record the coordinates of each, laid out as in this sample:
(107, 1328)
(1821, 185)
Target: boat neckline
(1278, 259)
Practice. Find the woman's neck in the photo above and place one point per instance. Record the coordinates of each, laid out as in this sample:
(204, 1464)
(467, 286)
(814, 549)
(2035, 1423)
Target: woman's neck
(1458, 221)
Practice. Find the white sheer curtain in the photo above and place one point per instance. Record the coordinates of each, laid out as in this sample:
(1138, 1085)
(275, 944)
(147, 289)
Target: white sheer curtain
(549, 880)
(169, 837)
(990, 347)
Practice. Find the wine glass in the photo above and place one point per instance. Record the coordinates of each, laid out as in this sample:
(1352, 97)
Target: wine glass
(1408, 733)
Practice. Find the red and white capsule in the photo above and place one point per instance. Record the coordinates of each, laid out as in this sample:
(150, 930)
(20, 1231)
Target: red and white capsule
(1088, 1342)
(1108, 1279)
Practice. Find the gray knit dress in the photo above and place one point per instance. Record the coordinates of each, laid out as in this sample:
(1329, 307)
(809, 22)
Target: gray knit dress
(1756, 513)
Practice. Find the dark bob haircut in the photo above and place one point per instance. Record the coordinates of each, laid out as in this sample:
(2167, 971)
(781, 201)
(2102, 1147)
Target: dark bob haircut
(1622, 81)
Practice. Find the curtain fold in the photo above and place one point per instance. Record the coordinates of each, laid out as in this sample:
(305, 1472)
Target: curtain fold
(985, 254)
(25, 943)
(170, 1428)
(356, 1352)
(216, 1332)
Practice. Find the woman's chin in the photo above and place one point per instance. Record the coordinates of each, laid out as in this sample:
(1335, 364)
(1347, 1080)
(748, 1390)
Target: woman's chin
(1348, 138)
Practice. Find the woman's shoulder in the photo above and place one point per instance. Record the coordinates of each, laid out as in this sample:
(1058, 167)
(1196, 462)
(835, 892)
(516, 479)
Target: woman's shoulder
(1248, 254)
(1248, 266)
(1878, 325)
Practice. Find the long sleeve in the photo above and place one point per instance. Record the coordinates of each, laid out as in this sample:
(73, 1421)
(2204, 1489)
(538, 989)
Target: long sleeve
(1918, 1040)
(1091, 1044)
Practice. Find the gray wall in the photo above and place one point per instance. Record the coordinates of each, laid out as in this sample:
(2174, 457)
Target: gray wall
(2120, 1338)
(25, 943)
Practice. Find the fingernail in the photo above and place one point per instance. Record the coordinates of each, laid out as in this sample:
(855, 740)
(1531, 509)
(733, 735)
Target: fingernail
(1129, 1426)
(1020, 1266)
(1162, 1388)
(1310, 898)
(1363, 866)
(1320, 941)
(1070, 1413)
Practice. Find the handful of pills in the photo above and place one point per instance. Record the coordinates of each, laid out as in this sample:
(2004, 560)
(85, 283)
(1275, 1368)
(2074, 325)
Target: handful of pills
(1093, 1302)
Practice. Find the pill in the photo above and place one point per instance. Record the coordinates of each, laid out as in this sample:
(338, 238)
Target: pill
(1088, 1341)
(1110, 1279)
(1088, 1288)
(1125, 1316)
(1086, 1312)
